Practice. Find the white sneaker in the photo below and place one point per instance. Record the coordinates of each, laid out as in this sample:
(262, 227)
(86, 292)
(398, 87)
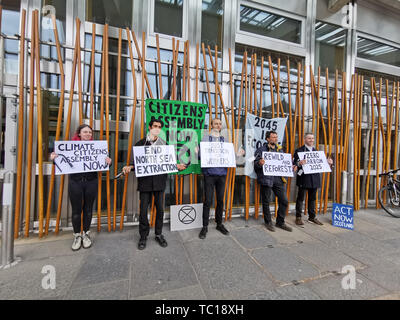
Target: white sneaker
(76, 245)
(87, 242)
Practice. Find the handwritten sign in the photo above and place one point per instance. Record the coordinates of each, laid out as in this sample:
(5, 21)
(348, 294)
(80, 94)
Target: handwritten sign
(343, 216)
(80, 156)
(316, 162)
(277, 164)
(255, 137)
(217, 154)
(154, 160)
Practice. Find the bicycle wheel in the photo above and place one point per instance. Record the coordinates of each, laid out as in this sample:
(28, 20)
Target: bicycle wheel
(390, 201)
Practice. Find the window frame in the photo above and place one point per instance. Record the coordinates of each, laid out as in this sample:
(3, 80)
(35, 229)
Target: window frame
(281, 45)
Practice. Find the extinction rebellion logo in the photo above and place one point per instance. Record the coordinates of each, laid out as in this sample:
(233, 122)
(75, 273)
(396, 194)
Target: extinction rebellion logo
(187, 214)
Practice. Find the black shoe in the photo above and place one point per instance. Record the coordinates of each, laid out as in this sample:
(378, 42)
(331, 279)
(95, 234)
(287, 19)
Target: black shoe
(270, 227)
(142, 243)
(222, 229)
(284, 226)
(316, 221)
(203, 233)
(161, 240)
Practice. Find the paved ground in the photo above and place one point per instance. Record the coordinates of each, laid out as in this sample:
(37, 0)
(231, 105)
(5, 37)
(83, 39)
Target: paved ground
(250, 263)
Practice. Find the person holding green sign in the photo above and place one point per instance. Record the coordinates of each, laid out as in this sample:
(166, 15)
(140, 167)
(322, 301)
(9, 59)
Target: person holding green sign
(149, 186)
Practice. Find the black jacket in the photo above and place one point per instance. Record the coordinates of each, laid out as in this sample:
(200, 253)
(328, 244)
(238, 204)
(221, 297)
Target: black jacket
(261, 178)
(151, 183)
(306, 181)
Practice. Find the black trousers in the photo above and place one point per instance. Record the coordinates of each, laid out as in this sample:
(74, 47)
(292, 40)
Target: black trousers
(145, 201)
(211, 182)
(82, 195)
(279, 190)
(312, 193)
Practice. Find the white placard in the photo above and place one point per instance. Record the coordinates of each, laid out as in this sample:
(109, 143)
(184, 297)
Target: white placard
(256, 130)
(187, 216)
(316, 162)
(154, 160)
(217, 154)
(80, 156)
(277, 164)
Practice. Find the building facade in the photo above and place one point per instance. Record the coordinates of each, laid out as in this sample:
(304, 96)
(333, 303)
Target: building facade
(334, 39)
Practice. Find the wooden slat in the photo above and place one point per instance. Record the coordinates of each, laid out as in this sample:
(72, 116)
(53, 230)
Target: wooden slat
(132, 127)
(21, 110)
(59, 120)
(30, 132)
(371, 144)
(39, 128)
(117, 128)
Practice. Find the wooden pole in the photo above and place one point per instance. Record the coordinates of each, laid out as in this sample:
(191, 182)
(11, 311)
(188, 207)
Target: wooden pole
(396, 127)
(78, 26)
(107, 120)
(39, 128)
(67, 129)
(59, 120)
(101, 124)
(117, 127)
(20, 124)
(371, 144)
(30, 131)
(92, 74)
(132, 127)
(197, 100)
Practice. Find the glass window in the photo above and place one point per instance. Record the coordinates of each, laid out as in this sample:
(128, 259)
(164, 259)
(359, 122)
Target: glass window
(376, 51)
(330, 47)
(212, 23)
(47, 33)
(269, 25)
(117, 13)
(10, 27)
(168, 17)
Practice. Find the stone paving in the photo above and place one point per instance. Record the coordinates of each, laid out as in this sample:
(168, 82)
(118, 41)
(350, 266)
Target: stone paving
(251, 263)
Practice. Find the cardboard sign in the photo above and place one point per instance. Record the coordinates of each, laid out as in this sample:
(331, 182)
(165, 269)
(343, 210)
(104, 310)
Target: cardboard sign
(187, 216)
(256, 130)
(154, 160)
(277, 164)
(316, 162)
(217, 154)
(343, 216)
(80, 156)
(183, 125)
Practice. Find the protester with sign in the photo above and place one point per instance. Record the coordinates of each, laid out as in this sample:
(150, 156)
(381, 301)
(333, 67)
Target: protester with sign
(183, 124)
(255, 137)
(274, 183)
(306, 182)
(150, 185)
(82, 190)
(214, 179)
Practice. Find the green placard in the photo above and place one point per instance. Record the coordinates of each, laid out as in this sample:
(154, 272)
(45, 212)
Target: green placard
(183, 127)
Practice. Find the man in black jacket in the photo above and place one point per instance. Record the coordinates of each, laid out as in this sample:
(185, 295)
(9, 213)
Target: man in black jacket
(151, 185)
(274, 183)
(307, 182)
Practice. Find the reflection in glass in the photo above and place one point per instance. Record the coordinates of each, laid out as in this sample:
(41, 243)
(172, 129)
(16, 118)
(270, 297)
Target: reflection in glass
(330, 47)
(376, 51)
(168, 17)
(269, 25)
(47, 33)
(117, 13)
(212, 23)
(10, 27)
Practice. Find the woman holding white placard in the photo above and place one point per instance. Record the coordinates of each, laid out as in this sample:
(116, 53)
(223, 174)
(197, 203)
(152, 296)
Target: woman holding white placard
(82, 190)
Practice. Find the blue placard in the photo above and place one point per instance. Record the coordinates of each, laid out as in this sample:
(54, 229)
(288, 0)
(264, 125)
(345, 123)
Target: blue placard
(342, 216)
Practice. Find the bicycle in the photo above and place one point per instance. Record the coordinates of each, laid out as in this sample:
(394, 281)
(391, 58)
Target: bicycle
(389, 195)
